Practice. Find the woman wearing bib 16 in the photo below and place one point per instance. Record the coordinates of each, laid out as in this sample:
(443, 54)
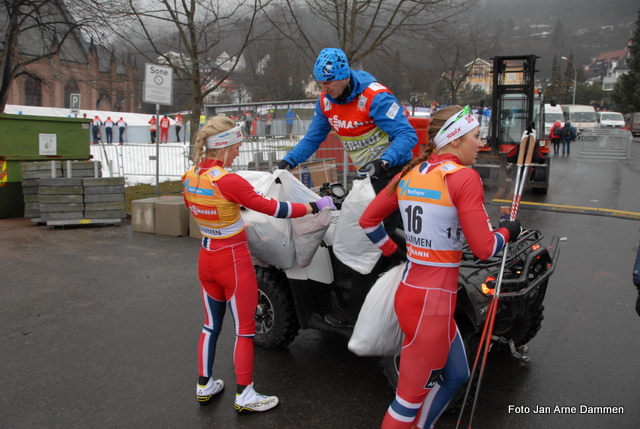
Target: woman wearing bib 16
(442, 204)
(225, 269)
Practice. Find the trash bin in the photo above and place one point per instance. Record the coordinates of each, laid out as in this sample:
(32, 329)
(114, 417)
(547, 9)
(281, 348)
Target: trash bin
(26, 138)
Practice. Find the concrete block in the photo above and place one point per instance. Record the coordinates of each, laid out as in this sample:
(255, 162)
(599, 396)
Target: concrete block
(143, 215)
(104, 198)
(171, 217)
(60, 190)
(58, 199)
(118, 205)
(103, 181)
(60, 208)
(61, 182)
(104, 214)
(101, 190)
(44, 217)
(194, 229)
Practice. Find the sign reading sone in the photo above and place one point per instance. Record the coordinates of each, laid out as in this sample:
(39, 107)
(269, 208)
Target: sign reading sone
(158, 82)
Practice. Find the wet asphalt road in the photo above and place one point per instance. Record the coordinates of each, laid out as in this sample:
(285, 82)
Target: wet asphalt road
(99, 328)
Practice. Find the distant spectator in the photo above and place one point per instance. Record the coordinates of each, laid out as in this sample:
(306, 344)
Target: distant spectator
(165, 123)
(108, 129)
(289, 117)
(554, 135)
(247, 122)
(95, 128)
(178, 126)
(122, 125)
(480, 113)
(567, 134)
(268, 124)
(487, 116)
(153, 128)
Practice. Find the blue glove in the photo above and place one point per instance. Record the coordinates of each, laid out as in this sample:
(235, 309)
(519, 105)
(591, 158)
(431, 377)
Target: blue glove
(322, 203)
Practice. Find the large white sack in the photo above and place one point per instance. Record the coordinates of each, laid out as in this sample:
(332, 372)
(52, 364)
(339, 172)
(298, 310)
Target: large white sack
(309, 230)
(377, 331)
(270, 239)
(350, 244)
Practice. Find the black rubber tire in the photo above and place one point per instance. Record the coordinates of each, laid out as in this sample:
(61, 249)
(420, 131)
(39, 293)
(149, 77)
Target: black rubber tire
(534, 323)
(276, 321)
(390, 368)
(540, 175)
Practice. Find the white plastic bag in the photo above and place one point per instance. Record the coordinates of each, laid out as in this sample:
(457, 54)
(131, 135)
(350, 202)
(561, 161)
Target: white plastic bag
(350, 244)
(309, 230)
(377, 331)
(270, 239)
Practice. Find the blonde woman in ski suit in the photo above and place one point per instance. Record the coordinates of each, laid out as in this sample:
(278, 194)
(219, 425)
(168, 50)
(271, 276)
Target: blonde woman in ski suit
(225, 269)
(442, 203)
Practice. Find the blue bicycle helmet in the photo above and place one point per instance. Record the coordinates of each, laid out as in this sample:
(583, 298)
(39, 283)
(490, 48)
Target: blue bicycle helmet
(332, 64)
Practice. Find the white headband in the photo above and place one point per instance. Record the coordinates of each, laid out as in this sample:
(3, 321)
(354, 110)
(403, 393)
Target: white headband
(225, 138)
(450, 132)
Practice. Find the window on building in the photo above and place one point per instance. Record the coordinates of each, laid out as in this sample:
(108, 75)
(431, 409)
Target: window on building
(32, 92)
(70, 88)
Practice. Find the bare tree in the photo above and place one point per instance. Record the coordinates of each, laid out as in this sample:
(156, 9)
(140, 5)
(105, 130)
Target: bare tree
(359, 27)
(455, 49)
(188, 36)
(32, 31)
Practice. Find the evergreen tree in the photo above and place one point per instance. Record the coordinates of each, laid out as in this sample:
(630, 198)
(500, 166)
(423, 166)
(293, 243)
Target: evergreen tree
(556, 87)
(626, 92)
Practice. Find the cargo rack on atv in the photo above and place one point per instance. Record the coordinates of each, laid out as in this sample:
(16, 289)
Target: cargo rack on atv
(519, 277)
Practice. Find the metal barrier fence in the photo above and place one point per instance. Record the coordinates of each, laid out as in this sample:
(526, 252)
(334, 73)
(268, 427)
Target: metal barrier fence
(137, 162)
(140, 160)
(605, 143)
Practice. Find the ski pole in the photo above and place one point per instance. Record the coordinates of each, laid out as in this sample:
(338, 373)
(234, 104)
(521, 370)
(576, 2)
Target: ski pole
(523, 163)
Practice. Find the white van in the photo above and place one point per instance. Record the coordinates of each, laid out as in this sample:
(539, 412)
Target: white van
(551, 115)
(581, 117)
(610, 119)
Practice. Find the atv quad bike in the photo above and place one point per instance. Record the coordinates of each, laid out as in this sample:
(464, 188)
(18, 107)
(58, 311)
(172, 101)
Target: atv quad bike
(299, 298)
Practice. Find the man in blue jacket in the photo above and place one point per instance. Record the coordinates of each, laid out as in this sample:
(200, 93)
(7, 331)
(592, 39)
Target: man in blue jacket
(366, 116)
(376, 134)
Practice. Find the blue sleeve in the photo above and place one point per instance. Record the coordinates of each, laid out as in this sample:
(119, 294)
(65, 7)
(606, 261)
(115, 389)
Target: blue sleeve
(316, 134)
(636, 270)
(402, 135)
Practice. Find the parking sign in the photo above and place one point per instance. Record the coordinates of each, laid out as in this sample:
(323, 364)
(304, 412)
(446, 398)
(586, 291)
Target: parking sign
(74, 103)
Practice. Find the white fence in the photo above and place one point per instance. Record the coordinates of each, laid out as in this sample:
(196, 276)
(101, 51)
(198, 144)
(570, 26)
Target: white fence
(137, 162)
(605, 143)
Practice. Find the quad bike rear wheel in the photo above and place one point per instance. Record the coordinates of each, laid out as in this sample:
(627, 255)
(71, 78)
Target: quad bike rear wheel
(276, 321)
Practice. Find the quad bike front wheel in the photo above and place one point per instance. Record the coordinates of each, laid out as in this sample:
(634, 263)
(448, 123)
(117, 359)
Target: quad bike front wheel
(276, 321)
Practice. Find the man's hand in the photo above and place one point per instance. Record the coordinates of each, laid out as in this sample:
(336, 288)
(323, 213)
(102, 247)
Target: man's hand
(374, 168)
(283, 165)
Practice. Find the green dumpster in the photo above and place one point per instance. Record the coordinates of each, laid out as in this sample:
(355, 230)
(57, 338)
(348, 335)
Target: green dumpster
(35, 138)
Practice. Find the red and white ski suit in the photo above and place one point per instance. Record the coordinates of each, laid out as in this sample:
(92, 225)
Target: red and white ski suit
(442, 203)
(225, 268)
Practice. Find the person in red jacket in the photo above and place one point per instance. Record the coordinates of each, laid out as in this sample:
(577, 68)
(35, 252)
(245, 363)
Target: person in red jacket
(442, 204)
(225, 269)
(554, 135)
(165, 123)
